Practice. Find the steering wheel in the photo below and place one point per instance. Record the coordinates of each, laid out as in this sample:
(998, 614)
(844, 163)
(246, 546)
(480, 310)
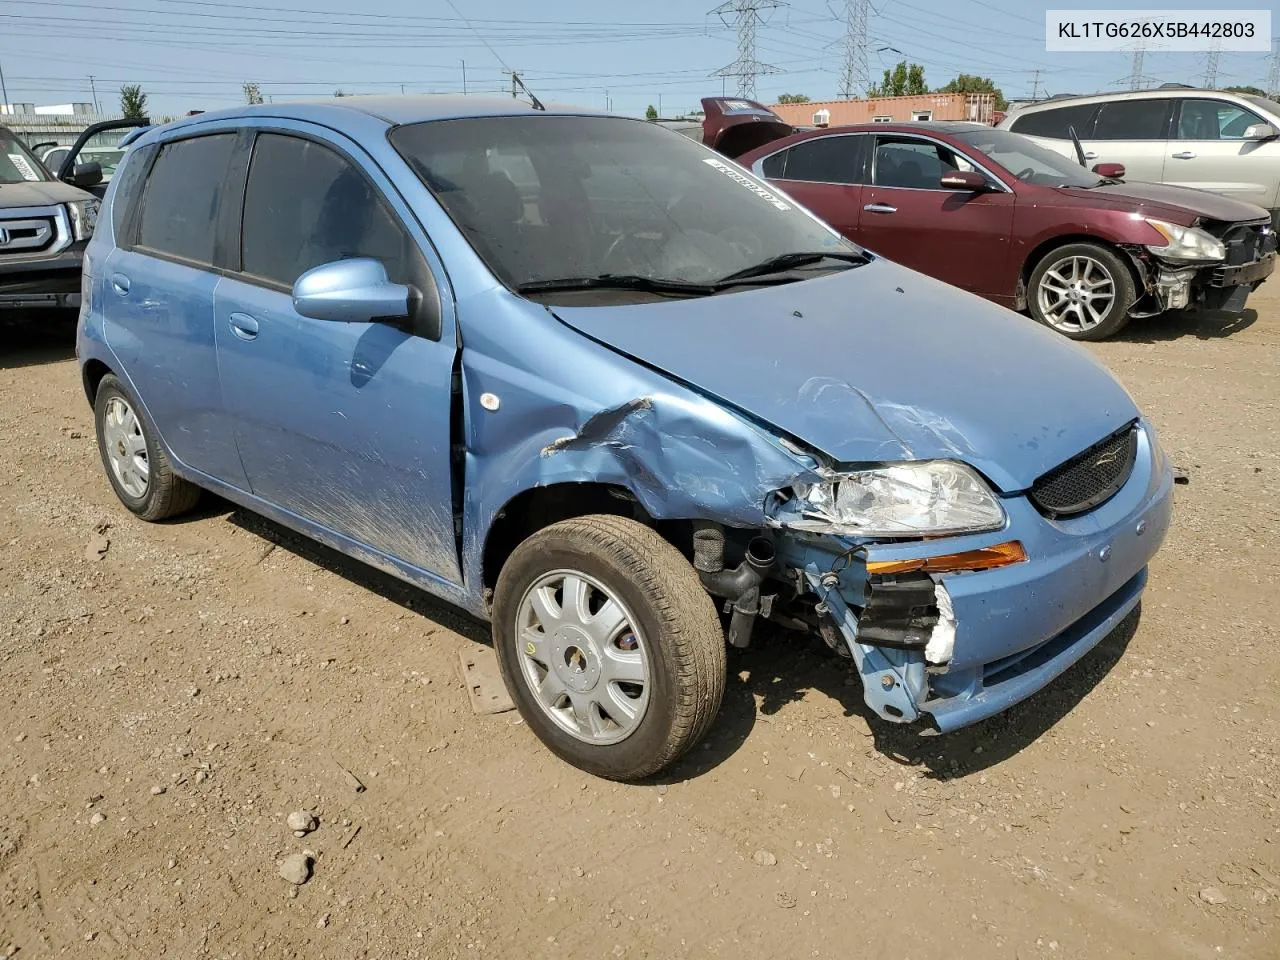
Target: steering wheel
(618, 242)
(1026, 174)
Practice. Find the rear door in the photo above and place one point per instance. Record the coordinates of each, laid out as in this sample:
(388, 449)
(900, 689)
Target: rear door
(824, 174)
(1208, 151)
(960, 237)
(157, 296)
(346, 425)
(1133, 132)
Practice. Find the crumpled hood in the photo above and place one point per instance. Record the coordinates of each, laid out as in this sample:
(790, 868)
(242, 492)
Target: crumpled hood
(30, 193)
(1182, 205)
(880, 363)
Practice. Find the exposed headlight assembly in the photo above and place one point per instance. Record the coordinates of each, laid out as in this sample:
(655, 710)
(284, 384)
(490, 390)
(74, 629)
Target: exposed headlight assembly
(84, 217)
(1186, 243)
(929, 498)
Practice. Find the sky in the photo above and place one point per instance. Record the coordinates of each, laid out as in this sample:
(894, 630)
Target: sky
(197, 54)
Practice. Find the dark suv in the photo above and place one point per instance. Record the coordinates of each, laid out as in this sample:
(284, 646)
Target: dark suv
(46, 220)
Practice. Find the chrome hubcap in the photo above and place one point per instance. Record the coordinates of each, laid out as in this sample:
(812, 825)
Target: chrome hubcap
(126, 447)
(1076, 294)
(582, 657)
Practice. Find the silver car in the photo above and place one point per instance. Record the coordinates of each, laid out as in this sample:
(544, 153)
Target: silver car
(1228, 143)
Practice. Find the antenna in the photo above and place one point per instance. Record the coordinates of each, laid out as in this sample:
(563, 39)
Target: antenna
(855, 77)
(746, 15)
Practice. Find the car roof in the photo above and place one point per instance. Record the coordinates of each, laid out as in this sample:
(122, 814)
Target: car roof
(1159, 93)
(342, 113)
(936, 127)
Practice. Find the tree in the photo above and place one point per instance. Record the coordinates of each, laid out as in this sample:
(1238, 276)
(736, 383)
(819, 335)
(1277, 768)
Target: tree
(972, 83)
(793, 98)
(133, 102)
(904, 80)
(253, 93)
(1255, 91)
(651, 112)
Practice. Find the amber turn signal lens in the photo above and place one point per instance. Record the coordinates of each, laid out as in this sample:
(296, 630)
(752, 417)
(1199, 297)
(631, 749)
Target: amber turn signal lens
(1001, 555)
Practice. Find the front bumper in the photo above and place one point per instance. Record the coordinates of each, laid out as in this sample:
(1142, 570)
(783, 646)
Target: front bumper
(1019, 626)
(53, 281)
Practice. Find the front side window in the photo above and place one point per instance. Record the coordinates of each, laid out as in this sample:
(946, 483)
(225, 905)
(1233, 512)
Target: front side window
(914, 164)
(1055, 123)
(544, 198)
(1213, 120)
(1132, 120)
(1027, 160)
(306, 205)
(823, 160)
(182, 197)
(17, 163)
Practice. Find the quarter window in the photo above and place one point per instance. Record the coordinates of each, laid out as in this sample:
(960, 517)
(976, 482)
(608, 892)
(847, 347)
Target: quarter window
(1055, 123)
(306, 205)
(183, 195)
(1213, 120)
(1132, 120)
(822, 160)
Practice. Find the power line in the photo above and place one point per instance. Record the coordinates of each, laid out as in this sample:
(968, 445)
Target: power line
(746, 16)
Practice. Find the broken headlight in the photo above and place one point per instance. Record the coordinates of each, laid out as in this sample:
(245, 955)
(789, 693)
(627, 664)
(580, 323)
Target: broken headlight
(1186, 243)
(84, 217)
(930, 498)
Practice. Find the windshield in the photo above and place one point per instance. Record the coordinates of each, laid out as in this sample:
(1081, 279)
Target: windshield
(545, 198)
(17, 163)
(1028, 161)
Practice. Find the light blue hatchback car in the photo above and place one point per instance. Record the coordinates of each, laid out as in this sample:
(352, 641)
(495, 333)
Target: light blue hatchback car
(584, 378)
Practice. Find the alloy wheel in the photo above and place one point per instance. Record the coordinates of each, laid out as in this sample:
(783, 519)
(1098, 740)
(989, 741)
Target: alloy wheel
(1076, 293)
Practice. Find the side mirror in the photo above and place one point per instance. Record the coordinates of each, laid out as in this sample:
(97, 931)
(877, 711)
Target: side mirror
(350, 291)
(1112, 171)
(1260, 131)
(969, 180)
(85, 175)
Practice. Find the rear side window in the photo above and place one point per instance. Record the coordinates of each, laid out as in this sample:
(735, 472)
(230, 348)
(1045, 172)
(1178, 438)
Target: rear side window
(128, 189)
(1132, 120)
(820, 160)
(306, 205)
(1055, 123)
(1213, 120)
(180, 203)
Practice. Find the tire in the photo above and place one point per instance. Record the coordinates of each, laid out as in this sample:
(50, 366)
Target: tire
(1059, 293)
(135, 463)
(669, 627)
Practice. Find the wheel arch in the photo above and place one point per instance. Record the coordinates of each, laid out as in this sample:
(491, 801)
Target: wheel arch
(91, 375)
(1050, 244)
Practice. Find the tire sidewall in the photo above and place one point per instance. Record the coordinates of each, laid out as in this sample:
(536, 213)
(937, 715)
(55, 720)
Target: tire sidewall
(112, 387)
(1116, 317)
(526, 565)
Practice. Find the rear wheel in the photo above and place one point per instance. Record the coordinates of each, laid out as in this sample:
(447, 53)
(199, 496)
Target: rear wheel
(135, 464)
(609, 645)
(1082, 290)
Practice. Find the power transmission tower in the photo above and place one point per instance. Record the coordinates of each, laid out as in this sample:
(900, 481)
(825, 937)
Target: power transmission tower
(746, 15)
(1273, 75)
(855, 79)
(1135, 73)
(1035, 84)
(1211, 68)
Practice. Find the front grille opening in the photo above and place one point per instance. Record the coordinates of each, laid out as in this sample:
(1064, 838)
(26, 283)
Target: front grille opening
(1089, 479)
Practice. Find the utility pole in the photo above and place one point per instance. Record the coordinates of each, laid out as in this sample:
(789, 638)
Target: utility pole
(1035, 84)
(746, 15)
(659, 105)
(93, 91)
(854, 77)
(1211, 67)
(464, 78)
(1273, 75)
(4, 94)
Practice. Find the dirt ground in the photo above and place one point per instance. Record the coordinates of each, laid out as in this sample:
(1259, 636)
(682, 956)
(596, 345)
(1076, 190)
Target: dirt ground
(168, 694)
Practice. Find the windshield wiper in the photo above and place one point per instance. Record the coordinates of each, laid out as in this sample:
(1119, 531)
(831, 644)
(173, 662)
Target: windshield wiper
(618, 281)
(789, 261)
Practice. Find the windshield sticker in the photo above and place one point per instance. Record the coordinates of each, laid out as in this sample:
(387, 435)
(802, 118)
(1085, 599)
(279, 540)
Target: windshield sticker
(772, 199)
(23, 167)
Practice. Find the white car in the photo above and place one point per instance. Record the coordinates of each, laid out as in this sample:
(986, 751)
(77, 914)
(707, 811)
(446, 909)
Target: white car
(1228, 143)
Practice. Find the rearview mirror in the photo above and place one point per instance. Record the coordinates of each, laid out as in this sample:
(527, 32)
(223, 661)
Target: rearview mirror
(350, 291)
(969, 180)
(86, 175)
(1260, 131)
(1112, 171)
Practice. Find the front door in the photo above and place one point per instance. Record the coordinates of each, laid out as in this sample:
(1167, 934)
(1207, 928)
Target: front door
(346, 425)
(1209, 151)
(961, 237)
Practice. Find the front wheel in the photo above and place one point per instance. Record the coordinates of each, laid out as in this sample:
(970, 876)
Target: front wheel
(609, 645)
(1082, 290)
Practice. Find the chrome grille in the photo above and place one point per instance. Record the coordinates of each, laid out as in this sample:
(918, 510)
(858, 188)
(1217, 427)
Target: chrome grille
(1089, 479)
(25, 236)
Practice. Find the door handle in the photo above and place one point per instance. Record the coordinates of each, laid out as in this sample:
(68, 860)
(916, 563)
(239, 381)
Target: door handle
(243, 326)
(1184, 155)
(120, 283)
(879, 208)
(1091, 155)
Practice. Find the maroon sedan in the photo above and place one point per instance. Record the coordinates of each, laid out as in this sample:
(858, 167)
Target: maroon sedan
(994, 213)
